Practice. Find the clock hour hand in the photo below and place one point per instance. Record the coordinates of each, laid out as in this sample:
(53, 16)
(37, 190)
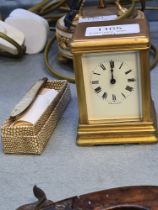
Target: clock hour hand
(112, 81)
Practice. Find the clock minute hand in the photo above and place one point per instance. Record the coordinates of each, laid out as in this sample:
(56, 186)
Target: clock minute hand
(112, 81)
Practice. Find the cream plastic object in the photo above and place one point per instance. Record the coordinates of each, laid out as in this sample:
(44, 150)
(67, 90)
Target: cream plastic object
(13, 33)
(39, 106)
(34, 27)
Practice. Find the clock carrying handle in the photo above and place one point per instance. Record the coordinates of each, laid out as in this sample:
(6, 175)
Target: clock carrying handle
(76, 5)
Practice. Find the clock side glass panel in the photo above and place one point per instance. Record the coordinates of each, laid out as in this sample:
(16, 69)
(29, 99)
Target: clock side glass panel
(113, 85)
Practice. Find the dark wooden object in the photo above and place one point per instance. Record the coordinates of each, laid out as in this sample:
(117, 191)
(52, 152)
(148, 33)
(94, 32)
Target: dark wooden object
(125, 198)
(101, 4)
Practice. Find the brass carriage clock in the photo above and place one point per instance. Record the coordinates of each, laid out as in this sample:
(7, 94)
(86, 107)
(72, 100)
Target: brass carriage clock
(111, 61)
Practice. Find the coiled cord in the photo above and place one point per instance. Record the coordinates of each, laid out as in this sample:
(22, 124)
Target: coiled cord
(53, 71)
(154, 52)
(20, 49)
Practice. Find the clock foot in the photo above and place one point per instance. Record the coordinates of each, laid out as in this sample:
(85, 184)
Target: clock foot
(134, 133)
(114, 141)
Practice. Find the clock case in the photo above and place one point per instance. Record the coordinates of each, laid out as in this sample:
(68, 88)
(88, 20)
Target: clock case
(123, 131)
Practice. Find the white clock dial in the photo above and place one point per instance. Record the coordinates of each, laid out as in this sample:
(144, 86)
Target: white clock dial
(112, 85)
(113, 81)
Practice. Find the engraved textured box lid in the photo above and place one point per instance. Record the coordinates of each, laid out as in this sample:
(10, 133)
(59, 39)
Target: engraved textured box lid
(111, 34)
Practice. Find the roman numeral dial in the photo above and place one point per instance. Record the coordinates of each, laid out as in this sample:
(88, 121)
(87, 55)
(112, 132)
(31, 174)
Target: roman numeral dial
(98, 89)
(95, 82)
(113, 81)
(104, 96)
(103, 67)
(132, 80)
(129, 88)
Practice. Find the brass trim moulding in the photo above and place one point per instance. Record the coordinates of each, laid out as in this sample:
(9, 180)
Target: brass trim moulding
(82, 43)
(116, 134)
